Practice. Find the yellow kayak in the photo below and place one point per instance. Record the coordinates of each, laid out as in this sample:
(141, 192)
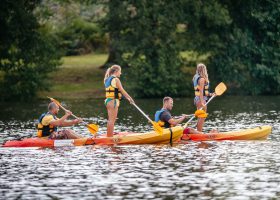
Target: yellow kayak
(168, 136)
(259, 133)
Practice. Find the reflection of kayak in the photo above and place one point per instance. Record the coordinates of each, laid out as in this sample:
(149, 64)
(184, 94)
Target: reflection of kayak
(259, 133)
(122, 138)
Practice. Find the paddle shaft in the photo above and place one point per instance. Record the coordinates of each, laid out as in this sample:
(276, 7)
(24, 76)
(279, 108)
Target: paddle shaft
(142, 112)
(71, 114)
(186, 124)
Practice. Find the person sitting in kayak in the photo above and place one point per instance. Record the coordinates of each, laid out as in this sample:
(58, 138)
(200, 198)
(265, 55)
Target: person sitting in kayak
(201, 90)
(48, 123)
(163, 117)
(114, 92)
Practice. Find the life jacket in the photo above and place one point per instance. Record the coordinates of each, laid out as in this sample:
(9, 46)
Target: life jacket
(196, 86)
(44, 131)
(111, 91)
(157, 119)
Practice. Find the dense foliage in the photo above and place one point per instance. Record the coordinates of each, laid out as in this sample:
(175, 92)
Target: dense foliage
(250, 49)
(240, 37)
(75, 23)
(157, 42)
(27, 52)
(143, 34)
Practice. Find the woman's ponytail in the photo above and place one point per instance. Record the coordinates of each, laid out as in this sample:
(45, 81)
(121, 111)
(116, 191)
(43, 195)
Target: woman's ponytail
(107, 74)
(111, 70)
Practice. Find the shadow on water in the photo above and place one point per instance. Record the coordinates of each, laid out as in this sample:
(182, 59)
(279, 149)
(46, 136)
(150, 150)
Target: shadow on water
(204, 170)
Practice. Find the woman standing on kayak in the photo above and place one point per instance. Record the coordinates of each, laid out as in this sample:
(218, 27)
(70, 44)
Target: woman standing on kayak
(201, 86)
(114, 92)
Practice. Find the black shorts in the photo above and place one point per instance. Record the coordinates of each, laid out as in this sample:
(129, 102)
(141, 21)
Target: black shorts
(60, 135)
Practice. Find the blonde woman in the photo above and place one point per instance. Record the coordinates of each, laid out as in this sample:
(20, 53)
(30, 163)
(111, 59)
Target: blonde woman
(201, 86)
(114, 92)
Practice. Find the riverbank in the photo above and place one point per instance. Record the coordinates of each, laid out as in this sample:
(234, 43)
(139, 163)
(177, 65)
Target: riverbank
(78, 77)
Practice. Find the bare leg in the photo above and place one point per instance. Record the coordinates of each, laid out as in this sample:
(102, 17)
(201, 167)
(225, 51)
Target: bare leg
(200, 121)
(71, 134)
(193, 131)
(112, 116)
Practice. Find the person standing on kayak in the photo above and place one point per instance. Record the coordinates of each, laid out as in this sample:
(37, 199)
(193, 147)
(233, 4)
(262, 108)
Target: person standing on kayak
(48, 123)
(164, 119)
(114, 92)
(201, 91)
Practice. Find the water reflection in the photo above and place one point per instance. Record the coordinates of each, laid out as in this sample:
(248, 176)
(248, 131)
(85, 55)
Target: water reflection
(194, 170)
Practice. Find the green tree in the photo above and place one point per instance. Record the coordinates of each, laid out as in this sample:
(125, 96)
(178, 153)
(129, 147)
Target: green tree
(202, 25)
(75, 25)
(27, 51)
(143, 38)
(251, 58)
(242, 38)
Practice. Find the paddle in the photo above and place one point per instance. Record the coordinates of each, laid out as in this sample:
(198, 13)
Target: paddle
(219, 90)
(93, 128)
(198, 113)
(157, 127)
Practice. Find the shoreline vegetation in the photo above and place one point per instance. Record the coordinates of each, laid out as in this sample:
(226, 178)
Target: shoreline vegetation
(81, 76)
(77, 77)
(146, 38)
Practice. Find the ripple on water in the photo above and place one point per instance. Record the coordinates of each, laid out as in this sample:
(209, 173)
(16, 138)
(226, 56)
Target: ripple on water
(196, 170)
(204, 170)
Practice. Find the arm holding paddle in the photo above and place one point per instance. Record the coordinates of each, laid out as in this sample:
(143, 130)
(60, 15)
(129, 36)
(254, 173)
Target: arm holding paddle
(175, 122)
(63, 120)
(219, 90)
(198, 114)
(70, 122)
(93, 128)
(122, 90)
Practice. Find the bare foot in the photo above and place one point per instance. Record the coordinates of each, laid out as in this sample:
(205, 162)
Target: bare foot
(214, 131)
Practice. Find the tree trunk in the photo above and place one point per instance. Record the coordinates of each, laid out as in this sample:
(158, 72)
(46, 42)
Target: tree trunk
(112, 56)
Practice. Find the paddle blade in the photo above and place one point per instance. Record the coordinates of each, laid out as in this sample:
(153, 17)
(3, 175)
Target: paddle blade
(93, 128)
(220, 89)
(200, 114)
(157, 128)
(55, 101)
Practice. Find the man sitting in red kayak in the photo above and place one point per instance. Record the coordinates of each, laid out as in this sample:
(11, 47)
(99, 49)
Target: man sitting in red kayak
(48, 123)
(164, 119)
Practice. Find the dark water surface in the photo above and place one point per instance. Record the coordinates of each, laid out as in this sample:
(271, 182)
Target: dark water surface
(196, 170)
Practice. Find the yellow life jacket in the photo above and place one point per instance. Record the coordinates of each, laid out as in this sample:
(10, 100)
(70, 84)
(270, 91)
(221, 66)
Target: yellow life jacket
(111, 90)
(196, 86)
(45, 131)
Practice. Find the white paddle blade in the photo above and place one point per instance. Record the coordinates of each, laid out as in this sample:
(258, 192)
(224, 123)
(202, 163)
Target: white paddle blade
(220, 89)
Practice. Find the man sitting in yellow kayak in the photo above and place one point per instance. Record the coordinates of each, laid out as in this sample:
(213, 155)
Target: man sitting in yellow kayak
(48, 123)
(164, 119)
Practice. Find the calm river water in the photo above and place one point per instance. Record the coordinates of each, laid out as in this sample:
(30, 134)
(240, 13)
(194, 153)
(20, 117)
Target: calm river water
(196, 170)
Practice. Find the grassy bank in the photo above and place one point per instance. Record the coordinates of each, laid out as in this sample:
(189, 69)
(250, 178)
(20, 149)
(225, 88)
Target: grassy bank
(81, 77)
(78, 77)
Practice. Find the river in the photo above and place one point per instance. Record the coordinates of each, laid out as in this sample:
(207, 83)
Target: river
(196, 170)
